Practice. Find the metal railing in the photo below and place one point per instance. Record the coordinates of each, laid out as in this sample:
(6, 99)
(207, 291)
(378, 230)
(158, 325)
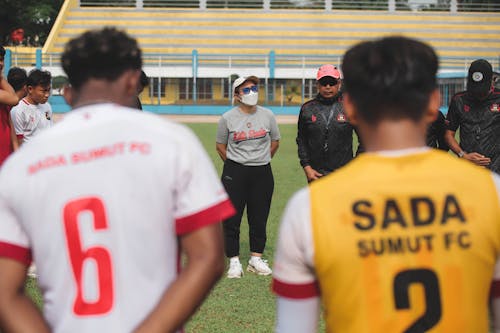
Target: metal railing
(277, 61)
(384, 5)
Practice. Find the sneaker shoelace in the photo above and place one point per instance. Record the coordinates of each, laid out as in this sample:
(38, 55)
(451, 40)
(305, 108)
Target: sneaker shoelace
(234, 265)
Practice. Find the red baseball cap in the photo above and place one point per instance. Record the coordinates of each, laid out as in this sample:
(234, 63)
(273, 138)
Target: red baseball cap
(328, 70)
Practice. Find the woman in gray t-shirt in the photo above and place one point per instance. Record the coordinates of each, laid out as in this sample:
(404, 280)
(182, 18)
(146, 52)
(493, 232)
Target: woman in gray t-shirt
(247, 139)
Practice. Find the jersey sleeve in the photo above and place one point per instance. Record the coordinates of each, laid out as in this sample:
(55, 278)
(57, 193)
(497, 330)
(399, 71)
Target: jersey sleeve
(293, 275)
(452, 117)
(440, 132)
(301, 139)
(200, 197)
(14, 242)
(222, 131)
(297, 315)
(495, 287)
(275, 132)
(17, 120)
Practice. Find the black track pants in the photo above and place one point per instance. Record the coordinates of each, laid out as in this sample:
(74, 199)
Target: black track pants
(250, 186)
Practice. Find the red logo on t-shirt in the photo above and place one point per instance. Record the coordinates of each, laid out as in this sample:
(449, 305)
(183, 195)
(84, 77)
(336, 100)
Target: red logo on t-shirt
(341, 118)
(313, 118)
(466, 108)
(494, 108)
(250, 135)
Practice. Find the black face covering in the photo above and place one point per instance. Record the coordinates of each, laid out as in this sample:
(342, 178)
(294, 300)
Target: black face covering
(480, 95)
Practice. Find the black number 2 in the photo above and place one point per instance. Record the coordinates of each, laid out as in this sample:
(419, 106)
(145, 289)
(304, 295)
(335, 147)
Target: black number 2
(430, 282)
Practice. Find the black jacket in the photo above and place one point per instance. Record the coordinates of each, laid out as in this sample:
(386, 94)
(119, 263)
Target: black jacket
(324, 136)
(435, 133)
(479, 122)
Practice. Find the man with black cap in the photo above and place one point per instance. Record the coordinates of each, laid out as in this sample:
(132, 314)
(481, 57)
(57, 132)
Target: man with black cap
(476, 112)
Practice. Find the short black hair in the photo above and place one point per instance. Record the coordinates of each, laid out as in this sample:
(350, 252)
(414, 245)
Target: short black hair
(17, 77)
(101, 54)
(144, 80)
(37, 77)
(392, 77)
(2, 52)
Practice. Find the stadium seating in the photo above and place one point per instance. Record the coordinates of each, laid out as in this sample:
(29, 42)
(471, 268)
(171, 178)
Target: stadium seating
(458, 37)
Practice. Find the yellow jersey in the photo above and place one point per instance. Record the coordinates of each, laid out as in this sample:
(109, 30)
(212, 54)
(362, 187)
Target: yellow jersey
(405, 244)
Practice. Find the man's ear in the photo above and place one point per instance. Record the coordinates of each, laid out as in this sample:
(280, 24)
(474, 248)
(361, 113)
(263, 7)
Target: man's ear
(350, 109)
(131, 79)
(433, 107)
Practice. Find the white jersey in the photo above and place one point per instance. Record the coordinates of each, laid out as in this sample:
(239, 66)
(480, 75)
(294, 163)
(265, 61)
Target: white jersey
(99, 200)
(29, 119)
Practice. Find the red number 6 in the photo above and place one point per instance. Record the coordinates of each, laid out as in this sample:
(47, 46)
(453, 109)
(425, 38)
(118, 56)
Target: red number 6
(99, 254)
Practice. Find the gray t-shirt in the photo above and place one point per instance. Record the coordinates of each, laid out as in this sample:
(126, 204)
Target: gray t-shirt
(248, 136)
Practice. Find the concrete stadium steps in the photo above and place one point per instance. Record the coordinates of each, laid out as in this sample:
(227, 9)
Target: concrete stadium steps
(226, 31)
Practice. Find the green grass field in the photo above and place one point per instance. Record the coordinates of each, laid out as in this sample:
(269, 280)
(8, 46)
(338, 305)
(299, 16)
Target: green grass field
(246, 304)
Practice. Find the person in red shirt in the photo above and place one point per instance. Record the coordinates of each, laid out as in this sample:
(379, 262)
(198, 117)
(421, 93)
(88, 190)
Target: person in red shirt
(8, 98)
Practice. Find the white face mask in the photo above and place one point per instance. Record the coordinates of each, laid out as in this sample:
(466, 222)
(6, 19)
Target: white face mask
(250, 99)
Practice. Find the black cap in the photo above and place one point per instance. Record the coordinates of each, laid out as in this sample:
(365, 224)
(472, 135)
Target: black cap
(480, 76)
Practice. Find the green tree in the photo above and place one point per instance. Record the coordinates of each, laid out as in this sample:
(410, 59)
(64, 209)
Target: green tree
(35, 17)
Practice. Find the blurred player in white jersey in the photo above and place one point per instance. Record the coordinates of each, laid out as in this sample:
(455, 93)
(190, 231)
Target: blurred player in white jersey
(33, 113)
(104, 203)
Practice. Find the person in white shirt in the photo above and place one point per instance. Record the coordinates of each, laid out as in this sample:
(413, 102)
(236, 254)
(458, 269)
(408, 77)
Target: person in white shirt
(33, 114)
(105, 202)
(247, 139)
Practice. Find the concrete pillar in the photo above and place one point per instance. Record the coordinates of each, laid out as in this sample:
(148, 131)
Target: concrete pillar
(38, 56)
(194, 60)
(7, 62)
(266, 5)
(453, 6)
(328, 5)
(139, 4)
(272, 63)
(391, 6)
(203, 4)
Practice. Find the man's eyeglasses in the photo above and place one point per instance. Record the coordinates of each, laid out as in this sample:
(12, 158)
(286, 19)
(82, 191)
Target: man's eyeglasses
(325, 81)
(247, 90)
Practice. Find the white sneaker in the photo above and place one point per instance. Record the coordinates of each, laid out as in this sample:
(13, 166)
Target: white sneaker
(259, 266)
(235, 270)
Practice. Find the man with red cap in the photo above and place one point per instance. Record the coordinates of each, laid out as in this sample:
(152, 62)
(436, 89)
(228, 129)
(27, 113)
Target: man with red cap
(476, 112)
(324, 136)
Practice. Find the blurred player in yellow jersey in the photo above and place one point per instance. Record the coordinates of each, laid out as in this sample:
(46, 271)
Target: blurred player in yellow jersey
(404, 238)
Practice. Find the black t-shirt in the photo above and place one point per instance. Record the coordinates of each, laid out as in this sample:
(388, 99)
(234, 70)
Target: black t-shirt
(479, 123)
